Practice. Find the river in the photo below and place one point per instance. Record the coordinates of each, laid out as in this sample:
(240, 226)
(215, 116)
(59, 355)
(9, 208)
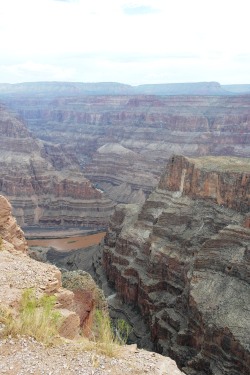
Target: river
(69, 243)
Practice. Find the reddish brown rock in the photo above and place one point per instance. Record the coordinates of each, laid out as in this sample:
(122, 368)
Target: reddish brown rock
(224, 180)
(40, 194)
(10, 232)
(123, 142)
(19, 272)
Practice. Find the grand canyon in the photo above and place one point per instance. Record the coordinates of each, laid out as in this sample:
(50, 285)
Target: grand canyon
(164, 170)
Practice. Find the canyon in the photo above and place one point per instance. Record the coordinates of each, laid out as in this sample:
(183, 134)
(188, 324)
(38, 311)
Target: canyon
(182, 259)
(122, 142)
(176, 167)
(77, 296)
(40, 194)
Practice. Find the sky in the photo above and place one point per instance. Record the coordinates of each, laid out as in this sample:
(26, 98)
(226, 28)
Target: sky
(133, 42)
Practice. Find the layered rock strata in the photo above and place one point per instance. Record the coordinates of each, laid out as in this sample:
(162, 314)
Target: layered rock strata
(39, 193)
(122, 142)
(183, 259)
(19, 272)
(76, 305)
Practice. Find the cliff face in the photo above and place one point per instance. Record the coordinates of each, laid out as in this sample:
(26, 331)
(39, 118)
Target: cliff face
(11, 234)
(223, 180)
(38, 192)
(18, 272)
(183, 260)
(76, 305)
(122, 142)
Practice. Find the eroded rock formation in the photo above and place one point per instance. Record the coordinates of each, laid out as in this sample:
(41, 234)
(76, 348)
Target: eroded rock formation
(183, 259)
(19, 272)
(123, 142)
(11, 235)
(39, 193)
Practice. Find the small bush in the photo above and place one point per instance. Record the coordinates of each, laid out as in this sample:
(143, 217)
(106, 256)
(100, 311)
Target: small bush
(123, 330)
(103, 334)
(37, 318)
(108, 338)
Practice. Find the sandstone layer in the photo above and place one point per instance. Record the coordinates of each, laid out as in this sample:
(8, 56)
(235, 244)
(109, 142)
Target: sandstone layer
(182, 258)
(42, 193)
(123, 141)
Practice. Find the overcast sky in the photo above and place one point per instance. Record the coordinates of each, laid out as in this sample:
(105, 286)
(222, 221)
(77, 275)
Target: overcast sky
(134, 42)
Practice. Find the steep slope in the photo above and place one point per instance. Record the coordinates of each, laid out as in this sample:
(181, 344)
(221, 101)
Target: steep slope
(183, 260)
(40, 194)
(76, 306)
(97, 130)
(19, 272)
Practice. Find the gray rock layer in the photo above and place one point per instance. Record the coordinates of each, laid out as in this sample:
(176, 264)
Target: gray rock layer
(184, 261)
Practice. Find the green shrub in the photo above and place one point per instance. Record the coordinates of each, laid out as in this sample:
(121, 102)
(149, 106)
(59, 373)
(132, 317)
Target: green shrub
(108, 338)
(123, 330)
(37, 318)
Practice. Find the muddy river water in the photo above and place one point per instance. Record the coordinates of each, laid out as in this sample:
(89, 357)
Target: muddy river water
(69, 243)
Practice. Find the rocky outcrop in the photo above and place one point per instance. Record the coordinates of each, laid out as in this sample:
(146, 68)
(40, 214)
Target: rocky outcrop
(11, 235)
(87, 297)
(122, 142)
(183, 260)
(19, 272)
(39, 193)
(223, 180)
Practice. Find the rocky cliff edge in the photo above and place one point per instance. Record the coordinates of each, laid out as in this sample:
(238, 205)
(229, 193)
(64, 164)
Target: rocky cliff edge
(24, 355)
(183, 259)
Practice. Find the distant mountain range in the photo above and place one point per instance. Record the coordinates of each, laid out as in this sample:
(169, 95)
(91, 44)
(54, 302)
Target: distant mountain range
(114, 88)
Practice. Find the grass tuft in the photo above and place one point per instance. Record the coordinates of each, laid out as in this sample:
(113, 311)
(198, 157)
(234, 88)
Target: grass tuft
(37, 318)
(107, 338)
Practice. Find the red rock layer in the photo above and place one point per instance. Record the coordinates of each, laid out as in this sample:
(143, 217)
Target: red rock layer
(151, 127)
(39, 193)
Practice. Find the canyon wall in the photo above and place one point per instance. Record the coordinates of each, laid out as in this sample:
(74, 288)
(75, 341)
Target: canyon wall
(122, 142)
(182, 258)
(18, 272)
(43, 194)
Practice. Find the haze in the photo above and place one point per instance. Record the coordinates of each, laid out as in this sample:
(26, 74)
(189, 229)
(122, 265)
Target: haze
(134, 42)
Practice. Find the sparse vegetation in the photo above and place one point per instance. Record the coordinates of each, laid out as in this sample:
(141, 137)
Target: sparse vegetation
(103, 334)
(123, 330)
(106, 337)
(36, 318)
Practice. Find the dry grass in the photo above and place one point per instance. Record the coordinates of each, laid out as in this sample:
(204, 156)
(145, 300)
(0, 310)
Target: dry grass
(36, 318)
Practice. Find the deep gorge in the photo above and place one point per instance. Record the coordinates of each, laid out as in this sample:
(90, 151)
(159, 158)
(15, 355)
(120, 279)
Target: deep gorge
(177, 244)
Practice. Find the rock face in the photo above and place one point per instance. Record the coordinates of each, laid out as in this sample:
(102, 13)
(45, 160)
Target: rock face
(19, 272)
(11, 234)
(122, 142)
(39, 193)
(182, 258)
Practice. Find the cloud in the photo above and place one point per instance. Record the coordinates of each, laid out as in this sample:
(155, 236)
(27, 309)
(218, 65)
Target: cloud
(139, 10)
